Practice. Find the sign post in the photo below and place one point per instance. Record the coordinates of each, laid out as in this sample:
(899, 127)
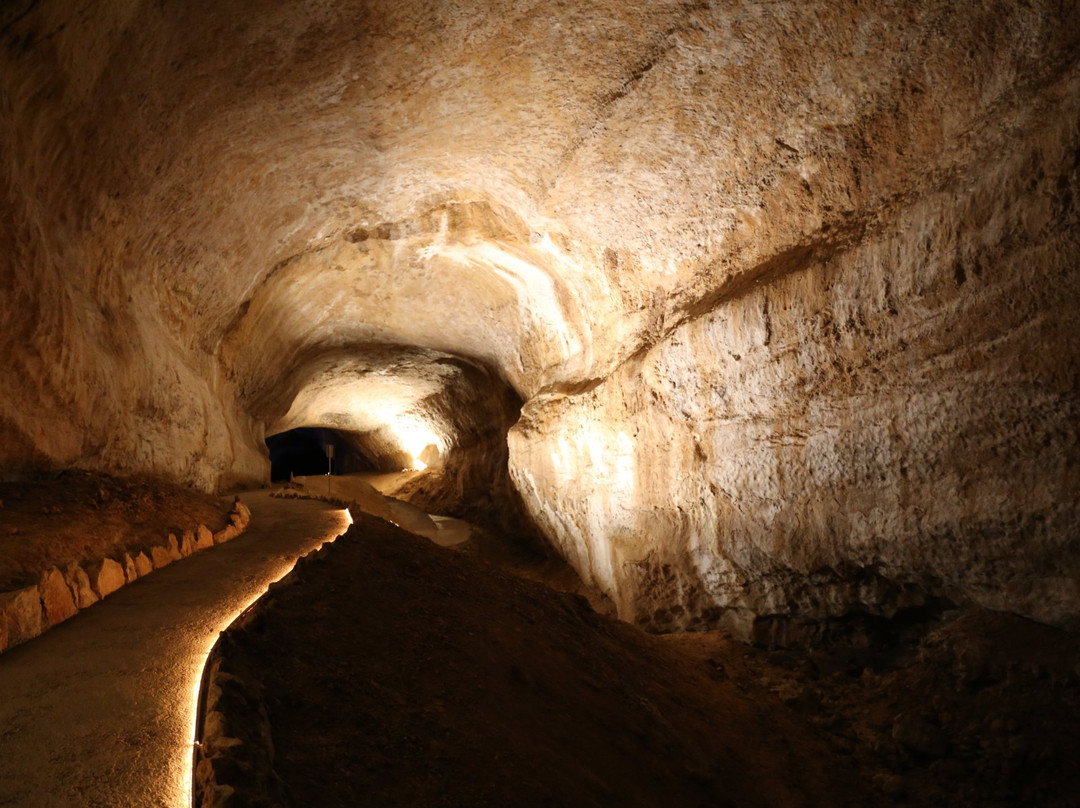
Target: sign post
(329, 465)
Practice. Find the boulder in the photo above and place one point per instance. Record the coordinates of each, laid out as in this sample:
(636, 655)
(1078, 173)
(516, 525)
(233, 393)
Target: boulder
(21, 613)
(56, 598)
(240, 516)
(143, 565)
(173, 546)
(131, 573)
(106, 577)
(160, 557)
(80, 585)
(203, 537)
(187, 543)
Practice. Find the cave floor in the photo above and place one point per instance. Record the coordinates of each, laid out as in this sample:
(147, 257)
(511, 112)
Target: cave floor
(396, 672)
(99, 710)
(400, 673)
(428, 669)
(980, 710)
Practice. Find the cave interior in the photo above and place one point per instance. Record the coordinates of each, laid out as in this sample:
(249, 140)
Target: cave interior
(762, 317)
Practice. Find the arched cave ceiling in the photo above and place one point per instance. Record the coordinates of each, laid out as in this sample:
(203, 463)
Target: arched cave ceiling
(768, 277)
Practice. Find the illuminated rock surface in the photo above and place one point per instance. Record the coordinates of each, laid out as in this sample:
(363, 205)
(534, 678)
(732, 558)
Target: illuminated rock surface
(100, 710)
(789, 291)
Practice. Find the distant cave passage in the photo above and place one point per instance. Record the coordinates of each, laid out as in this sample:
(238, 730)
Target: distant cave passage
(302, 452)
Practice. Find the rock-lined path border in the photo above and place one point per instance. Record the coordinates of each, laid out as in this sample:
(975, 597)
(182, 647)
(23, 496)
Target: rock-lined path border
(99, 712)
(233, 760)
(62, 593)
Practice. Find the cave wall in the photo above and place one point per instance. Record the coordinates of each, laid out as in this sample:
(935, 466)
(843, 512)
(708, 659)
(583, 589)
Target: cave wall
(894, 424)
(105, 360)
(788, 290)
(876, 412)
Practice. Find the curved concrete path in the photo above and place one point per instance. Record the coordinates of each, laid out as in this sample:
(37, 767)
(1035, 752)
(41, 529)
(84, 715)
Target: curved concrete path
(99, 711)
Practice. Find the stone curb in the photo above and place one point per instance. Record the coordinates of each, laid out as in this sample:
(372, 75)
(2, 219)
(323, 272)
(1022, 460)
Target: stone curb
(234, 750)
(60, 594)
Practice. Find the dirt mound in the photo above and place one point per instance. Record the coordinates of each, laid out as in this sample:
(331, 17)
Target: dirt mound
(980, 709)
(79, 516)
(395, 672)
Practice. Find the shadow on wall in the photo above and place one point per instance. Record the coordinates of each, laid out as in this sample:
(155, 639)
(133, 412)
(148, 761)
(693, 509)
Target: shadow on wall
(302, 452)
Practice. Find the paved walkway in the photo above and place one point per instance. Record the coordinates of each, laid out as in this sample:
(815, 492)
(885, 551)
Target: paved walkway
(99, 711)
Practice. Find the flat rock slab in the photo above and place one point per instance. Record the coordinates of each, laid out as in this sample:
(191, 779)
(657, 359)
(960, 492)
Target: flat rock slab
(451, 532)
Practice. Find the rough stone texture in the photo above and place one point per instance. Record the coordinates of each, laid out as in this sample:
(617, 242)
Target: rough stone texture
(204, 539)
(788, 290)
(80, 585)
(413, 409)
(107, 576)
(59, 595)
(850, 424)
(131, 571)
(187, 543)
(21, 615)
(160, 557)
(56, 598)
(236, 749)
(143, 565)
(26, 613)
(227, 533)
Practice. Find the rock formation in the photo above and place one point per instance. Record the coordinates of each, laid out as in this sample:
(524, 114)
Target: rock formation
(787, 292)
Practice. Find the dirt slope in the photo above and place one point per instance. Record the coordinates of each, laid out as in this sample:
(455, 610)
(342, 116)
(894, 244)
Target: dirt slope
(395, 672)
(78, 516)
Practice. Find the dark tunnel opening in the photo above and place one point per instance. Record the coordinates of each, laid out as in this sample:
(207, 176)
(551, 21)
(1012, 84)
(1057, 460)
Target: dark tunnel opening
(302, 452)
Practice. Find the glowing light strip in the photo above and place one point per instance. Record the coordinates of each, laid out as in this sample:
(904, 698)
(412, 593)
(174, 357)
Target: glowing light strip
(199, 673)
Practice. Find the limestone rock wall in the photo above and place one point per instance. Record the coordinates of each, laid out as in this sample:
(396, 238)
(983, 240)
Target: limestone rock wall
(787, 288)
(99, 370)
(895, 423)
